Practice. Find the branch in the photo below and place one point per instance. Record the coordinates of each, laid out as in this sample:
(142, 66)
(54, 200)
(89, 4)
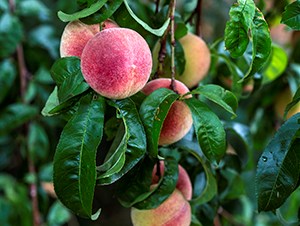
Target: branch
(173, 42)
(198, 18)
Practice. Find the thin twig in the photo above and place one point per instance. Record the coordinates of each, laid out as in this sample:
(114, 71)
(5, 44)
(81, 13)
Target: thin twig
(24, 75)
(228, 216)
(199, 17)
(173, 42)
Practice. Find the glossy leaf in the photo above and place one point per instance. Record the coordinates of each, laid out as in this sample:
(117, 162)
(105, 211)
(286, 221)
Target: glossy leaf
(209, 130)
(278, 168)
(108, 9)
(74, 169)
(153, 111)
(210, 189)
(236, 31)
(15, 115)
(276, 64)
(296, 99)
(157, 32)
(261, 44)
(218, 95)
(7, 77)
(132, 145)
(67, 74)
(82, 13)
(291, 15)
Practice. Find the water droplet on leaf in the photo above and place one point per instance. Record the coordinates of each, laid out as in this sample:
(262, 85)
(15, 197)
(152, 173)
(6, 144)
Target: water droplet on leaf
(264, 158)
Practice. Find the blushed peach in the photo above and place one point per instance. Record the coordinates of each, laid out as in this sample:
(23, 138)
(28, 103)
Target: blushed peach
(76, 34)
(116, 62)
(179, 118)
(175, 211)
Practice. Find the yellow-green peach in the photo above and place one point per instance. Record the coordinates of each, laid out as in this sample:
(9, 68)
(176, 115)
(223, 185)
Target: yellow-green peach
(197, 56)
(179, 118)
(116, 63)
(282, 100)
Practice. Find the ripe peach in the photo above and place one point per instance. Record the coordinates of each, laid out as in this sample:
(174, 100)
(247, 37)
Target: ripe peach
(175, 211)
(281, 35)
(76, 34)
(184, 184)
(116, 62)
(282, 100)
(179, 118)
(197, 56)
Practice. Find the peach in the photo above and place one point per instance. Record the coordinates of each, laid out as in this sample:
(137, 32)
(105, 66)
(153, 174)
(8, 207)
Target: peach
(197, 56)
(179, 118)
(184, 184)
(76, 34)
(281, 35)
(116, 62)
(282, 100)
(175, 211)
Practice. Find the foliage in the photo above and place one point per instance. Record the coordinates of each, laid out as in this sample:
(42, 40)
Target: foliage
(55, 128)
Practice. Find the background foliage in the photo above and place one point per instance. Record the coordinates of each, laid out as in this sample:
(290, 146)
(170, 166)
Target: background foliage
(231, 192)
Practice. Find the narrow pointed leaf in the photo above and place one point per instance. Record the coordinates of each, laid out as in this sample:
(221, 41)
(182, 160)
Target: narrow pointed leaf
(209, 130)
(218, 95)
(82, 13)
(291, 15)
(7, 77)
(261, 44)
(296, 99)
(153, 111)
(74, 174)
(157, 32)
(236, 31)
(133, 143)
(278, 168)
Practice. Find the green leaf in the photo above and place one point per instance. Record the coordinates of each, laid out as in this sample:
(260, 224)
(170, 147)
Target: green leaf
(108, 9)
(74, 167)
(15, 115)
(7, 77)
(67, 74)
(236, 31)
(276, 64)
(58, 214)
(278, 168)
(209, 130)
(132, 144)
(220, 96)
(291, 15)
(10, 34)
(153, 111)
(82, 13)
(157, 32)
(164, 189)
(296, 99)
(261, 46)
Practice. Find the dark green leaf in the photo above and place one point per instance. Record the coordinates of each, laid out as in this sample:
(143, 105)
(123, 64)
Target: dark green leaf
(134, 139)
(33, 8)
(278, 168)
(296, 99)
(209, 130)
(157, 32)
(81, 14)
(38, 142)
(75, 158)
(261, 46)
(210, 189)
(236, 31)
(105, 12)
(58, 214)
(164, 188)
(10, 34)
(7, 77)
(291, 15)
(276, 64)
(14, 116)
(153, 111)
(218, 95)
(67, 74)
